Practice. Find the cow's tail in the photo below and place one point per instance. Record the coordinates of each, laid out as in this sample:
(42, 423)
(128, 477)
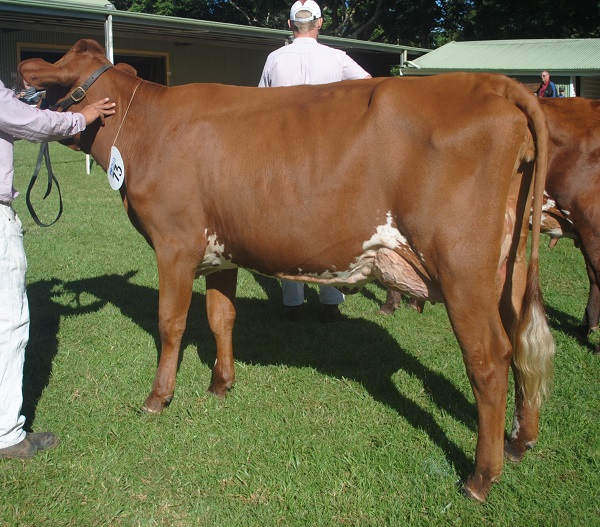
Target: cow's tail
(533, 344)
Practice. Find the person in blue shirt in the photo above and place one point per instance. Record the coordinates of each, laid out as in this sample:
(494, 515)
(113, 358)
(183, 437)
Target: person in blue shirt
(546, 87)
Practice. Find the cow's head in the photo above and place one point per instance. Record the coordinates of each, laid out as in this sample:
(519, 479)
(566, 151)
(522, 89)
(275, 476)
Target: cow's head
(66, 75)
(72, 70)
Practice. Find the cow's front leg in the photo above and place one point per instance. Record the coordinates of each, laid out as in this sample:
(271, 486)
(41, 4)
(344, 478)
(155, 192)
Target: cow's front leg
(176, 277)
(220, 309)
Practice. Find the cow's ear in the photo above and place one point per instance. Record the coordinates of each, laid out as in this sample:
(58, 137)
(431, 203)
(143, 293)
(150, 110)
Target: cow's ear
(41, 74)
(126, 68)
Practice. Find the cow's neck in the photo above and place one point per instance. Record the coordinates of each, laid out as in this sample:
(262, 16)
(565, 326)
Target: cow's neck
(124, 90)
(124, 117)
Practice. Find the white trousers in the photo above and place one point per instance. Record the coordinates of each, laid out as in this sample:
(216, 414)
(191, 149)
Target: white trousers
(14, 326)
(293, 294)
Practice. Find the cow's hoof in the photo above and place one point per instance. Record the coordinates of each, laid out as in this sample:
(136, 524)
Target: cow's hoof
(477, 488)
(473, 495)
(512, 453)
(514, 450)
(155, 405)
(583, 330)
(415, 304)
(220, 390)
(386, 310)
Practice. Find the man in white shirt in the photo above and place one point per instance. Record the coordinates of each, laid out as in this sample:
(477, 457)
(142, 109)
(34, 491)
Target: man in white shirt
(20, 121)
(305, 61)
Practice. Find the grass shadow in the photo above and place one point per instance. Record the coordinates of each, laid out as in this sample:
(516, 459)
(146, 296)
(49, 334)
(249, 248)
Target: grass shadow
(569, 325)
(355, 349)
(45, 316)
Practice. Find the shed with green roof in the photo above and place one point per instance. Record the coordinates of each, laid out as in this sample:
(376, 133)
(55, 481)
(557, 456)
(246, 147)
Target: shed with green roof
(572, 63)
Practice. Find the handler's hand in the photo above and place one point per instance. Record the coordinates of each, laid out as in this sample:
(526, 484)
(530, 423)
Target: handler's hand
(99, 109)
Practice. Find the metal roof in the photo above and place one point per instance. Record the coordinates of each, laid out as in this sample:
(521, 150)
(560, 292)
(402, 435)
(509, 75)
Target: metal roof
(78, 15)
(560, 56)
(82, 3)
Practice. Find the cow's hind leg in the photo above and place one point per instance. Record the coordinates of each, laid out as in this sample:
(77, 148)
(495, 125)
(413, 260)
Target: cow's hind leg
(486, 353)
(220, 308)
(532, 368)
(176, 277)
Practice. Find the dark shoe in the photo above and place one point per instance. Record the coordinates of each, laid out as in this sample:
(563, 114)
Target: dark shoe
(33, 442)
(292, 313)
(330, 313)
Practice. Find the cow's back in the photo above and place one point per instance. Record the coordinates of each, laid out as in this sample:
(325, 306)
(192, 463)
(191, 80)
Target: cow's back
(574, 125)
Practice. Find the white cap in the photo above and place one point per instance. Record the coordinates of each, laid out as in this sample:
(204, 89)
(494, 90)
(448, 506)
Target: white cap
(305, 5)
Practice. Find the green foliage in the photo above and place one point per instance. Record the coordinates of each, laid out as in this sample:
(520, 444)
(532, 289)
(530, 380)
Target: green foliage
(428, 23)
(370, 422)
(509, 19)
(271, 13)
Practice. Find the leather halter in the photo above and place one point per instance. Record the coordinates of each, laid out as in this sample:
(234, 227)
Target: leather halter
(79, 93)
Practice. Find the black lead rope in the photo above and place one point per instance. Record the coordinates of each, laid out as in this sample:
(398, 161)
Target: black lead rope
(44, 154)
(77, 95)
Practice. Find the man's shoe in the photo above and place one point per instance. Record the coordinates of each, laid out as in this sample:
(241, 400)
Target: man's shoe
(33, 442)
(330, 313)
(292, 313)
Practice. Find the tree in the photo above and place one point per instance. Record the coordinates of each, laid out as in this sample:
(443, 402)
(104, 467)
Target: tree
(403, 21)
(513, 19)
(426, 23)
(265, 13)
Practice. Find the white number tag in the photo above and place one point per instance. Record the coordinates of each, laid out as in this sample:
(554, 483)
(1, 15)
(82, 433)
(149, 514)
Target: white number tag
(116, 169)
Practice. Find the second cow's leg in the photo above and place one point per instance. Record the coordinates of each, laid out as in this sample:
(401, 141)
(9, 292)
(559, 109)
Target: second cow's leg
(394, 298)
(589, 323)
(392, 301)
(220, 309)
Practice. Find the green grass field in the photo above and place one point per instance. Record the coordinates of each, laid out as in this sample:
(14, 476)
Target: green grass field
(370, 422)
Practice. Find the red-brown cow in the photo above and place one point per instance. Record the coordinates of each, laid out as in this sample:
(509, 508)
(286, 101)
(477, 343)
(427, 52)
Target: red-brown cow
(571, 205)
(425, 188)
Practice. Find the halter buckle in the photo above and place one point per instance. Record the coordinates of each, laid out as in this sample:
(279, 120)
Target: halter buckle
(78, 94)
